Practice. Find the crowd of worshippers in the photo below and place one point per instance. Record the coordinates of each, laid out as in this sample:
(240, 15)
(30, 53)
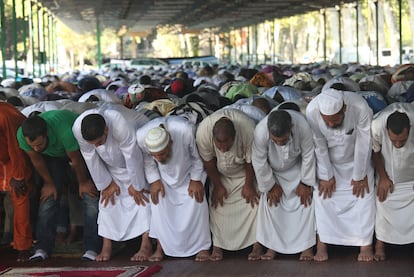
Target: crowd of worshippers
(196, 162)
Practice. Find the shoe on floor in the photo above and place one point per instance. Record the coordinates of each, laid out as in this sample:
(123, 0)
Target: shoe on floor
(38, 256)
(89, 255)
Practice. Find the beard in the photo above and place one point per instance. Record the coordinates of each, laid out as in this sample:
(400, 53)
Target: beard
(165, 160)
(337, 126)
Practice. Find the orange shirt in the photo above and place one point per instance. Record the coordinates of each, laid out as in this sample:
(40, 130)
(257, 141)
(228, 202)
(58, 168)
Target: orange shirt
(13, 160)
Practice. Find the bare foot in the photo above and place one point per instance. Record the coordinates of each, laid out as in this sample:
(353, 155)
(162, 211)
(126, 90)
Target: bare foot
(306, 255)
(380, 251)
(145, 251)
(217, 254)
(106, 251)
(143, 254)
(202, 256)
(269, 255)
(366, 254)
(158, 255)
(256, 252)
(23, 256)
(321, 252)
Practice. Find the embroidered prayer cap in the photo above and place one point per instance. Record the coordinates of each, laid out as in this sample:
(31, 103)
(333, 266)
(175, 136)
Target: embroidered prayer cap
(157, 139)
(136, 89)
(136, 92)
(330, 101)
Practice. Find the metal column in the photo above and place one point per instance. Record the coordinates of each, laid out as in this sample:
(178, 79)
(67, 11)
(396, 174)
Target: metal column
(98, 38)
(357, 31)
(55, 43)
(324, 35)
(24, 31)
(39, 62)
(32, 35)
(255, 45)
(376, 31)
(16, 68)
(340, 34)
(50, 40)
(400, 27)
(234, 44)
(248, 45)
(45, 45)
(3, 39)
(210, 42)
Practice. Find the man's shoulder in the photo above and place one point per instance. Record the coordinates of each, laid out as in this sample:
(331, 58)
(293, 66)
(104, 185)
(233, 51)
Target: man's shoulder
(178, 123)
(353, 99)
(21, 140)
(313, 106)
(59, 117)
(299, 119)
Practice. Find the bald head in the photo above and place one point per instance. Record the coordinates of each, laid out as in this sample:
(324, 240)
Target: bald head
(224, 128)
(224, 134)
(262, 104)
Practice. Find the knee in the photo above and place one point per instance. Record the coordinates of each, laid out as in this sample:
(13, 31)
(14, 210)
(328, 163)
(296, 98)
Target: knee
(49, 204)
(90, 205)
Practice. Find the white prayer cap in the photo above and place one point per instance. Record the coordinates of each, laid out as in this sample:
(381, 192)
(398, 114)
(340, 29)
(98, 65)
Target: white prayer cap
(330, 101)
(157, 139)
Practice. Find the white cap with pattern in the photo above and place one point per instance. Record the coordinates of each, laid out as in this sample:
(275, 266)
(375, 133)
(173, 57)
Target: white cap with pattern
(157, 139)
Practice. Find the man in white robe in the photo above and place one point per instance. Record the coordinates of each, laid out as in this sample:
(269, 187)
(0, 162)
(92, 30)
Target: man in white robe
(224, 140)
(345, 203)
(284, 163)
(174, 170)
(107, 141)
(393, 144)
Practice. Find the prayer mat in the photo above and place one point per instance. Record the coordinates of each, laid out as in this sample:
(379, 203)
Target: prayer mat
(125, 271)
(4, 269)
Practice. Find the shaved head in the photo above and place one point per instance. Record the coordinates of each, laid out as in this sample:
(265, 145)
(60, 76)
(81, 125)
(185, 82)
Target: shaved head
(224, 128)
(224, 134)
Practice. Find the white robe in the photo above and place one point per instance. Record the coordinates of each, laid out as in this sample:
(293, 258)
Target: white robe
(233, 225)
(178, 221)
(344, 153)
(118, 159)
(290, 227)
(394, 218)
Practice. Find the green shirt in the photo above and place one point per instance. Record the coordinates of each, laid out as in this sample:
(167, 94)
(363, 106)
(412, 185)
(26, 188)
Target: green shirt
(59, 131)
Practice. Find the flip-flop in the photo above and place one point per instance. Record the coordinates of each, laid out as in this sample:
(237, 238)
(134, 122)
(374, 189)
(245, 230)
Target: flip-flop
(38, 256)
(89, 255)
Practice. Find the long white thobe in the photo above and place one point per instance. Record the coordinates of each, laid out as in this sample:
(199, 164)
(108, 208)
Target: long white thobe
(120, 160)
(394, 221)
(344, 153)
(290, 226)
(233, 225)
(178, 221)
